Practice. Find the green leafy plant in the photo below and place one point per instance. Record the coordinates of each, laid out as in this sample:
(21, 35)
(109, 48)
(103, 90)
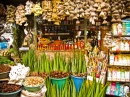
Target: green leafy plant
(88, 89)
(78, 66)
(30, 59)
(60, 63)
(18, 35)
(6, 60)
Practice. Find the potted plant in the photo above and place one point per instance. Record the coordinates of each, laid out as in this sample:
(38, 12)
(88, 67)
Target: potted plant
(78, 69)
(60, 71)
(39, 65)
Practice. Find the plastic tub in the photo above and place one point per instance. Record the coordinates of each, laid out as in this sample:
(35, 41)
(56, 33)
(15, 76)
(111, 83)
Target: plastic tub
(59, 81)
(78, 82)
(33, 88)
(4, 75)
(12, 94)
(3, 45)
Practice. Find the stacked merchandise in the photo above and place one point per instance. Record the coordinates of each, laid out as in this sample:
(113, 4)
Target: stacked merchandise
(117, 89)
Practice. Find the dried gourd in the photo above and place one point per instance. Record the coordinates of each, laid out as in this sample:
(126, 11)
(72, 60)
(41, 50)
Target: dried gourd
(10, 13)
(20, 15)
(37, 10)
(28, 7)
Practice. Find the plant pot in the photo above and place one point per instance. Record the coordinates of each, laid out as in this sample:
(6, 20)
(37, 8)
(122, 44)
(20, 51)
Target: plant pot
(12, 94)
(4, 75)
(60, 82)
(78, 82)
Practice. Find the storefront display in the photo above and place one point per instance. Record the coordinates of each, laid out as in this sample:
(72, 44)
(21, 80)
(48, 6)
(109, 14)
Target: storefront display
(59, 45)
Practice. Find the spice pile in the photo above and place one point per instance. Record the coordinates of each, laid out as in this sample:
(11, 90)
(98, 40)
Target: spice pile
(4, 68)
(80, 74)
(8, 88)
(59, 74)
(41, 74)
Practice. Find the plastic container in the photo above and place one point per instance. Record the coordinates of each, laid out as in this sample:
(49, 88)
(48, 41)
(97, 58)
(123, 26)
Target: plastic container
(33, 88)
(3, 45)
(12, 94)
(78, 82)
(59, 81)
(4, 75)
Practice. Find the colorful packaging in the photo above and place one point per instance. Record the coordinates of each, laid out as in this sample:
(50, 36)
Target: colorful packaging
(126, 26)
(113, 88)
(109, 77)
(118, 75)
(121, 90)
(117, 91)
(114, 75)
(108, 89)
(114, 28)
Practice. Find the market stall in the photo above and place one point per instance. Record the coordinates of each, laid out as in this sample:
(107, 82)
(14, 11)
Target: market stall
(64, 48)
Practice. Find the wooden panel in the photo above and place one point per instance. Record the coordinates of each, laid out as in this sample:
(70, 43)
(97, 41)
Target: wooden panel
(104, 30)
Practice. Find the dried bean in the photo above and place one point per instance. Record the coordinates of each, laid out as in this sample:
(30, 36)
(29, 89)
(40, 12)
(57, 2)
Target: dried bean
(8, 88)
(59, 74)
(4, 68)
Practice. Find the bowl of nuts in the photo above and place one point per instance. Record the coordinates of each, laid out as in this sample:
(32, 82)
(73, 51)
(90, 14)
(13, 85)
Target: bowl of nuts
(9, 90)
(33, 83)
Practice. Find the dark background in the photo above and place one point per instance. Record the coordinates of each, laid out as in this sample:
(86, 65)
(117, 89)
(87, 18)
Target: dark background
(16, 2)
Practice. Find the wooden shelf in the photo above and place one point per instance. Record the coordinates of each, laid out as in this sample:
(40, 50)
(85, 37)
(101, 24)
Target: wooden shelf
(58, 25)
(53, 34)
(116, 36)
(5, 79)
(118, 81)
(80, 36)
(117, 66)
(75, 50)
(123, 52)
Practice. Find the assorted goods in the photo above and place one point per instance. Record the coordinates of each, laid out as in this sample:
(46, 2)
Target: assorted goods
(118, 74)
(119, 60)
(60, 45)
(123, 45)
(84, 72)
(57, 10)
(117, 89)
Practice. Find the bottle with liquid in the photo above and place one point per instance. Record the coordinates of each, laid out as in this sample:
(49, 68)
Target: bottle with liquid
(75, 44)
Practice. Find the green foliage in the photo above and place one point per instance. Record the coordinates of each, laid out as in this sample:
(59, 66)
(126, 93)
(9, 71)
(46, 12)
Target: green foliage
(18, 35)
(29, 59)
(78, 63)
(44, 63)
(6, 60)
(88, 89)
